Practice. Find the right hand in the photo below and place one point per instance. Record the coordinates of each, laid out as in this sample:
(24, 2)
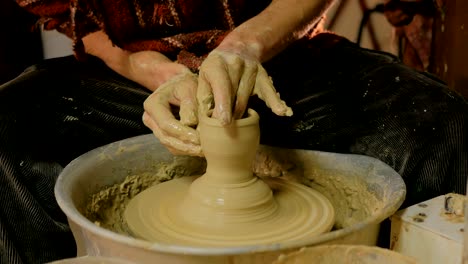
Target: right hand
(228, 77)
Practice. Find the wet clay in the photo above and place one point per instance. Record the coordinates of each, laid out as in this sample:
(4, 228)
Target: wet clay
(454, 208)
(106, 207)
(353, 199)
(228, 205)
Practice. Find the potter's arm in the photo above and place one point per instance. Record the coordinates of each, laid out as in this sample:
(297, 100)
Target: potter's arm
(280, 24)
(148, 68)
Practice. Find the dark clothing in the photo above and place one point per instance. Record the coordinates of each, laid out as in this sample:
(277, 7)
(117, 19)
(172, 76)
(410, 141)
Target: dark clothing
(345, 99)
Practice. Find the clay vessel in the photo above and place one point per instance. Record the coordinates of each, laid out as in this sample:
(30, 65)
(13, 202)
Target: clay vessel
(228, 190)
(228, 205)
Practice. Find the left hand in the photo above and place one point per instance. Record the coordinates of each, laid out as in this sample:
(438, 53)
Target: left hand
(177, 135)
(228, 77)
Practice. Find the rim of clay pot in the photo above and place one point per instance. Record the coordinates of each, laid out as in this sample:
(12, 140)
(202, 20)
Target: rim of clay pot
(251, 118)
(63, 187)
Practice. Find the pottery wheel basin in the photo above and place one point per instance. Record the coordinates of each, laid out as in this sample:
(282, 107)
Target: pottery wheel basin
(364, 191)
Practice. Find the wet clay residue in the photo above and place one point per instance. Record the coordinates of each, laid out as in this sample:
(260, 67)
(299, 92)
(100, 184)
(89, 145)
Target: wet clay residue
(354, 200)
(105, 208)
(454, 208)
(349, 194)
(352, 197)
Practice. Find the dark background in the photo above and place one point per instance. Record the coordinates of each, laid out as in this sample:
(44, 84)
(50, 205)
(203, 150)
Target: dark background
(20, 42)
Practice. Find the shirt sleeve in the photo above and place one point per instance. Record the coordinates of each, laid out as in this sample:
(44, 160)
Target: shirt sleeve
(74, 18)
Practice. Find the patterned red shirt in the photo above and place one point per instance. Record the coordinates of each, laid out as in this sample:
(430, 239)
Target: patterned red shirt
(172, 27)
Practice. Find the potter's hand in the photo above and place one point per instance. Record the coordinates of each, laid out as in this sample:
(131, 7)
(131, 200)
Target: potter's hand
(172, 84)
(228, 77)
(176, 135)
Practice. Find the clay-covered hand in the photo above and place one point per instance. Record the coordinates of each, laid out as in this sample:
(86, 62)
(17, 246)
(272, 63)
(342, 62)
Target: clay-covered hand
(228, 77)
(177, 135)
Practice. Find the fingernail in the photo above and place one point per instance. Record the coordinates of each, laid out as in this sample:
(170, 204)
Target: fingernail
(225, 118)
(188, 119)
(284, 110)
(289, 111)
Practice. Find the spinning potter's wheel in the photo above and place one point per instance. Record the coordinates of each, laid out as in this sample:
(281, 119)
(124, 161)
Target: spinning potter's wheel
(228, 205)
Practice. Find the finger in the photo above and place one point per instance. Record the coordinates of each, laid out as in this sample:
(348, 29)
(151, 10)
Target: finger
(174, 145)
(216, 73)
(187, 112)
(205, 97)
(193, 151)
(246, 86)
(185, 97)
(157, 107)
(235, 66)
(147, 121)
(266, 91)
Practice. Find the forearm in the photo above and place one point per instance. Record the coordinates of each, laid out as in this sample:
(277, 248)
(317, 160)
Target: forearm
(148, 68)
(281, 23)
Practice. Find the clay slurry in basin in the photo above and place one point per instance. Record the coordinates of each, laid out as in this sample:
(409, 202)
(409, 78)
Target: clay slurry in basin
(228, 205)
